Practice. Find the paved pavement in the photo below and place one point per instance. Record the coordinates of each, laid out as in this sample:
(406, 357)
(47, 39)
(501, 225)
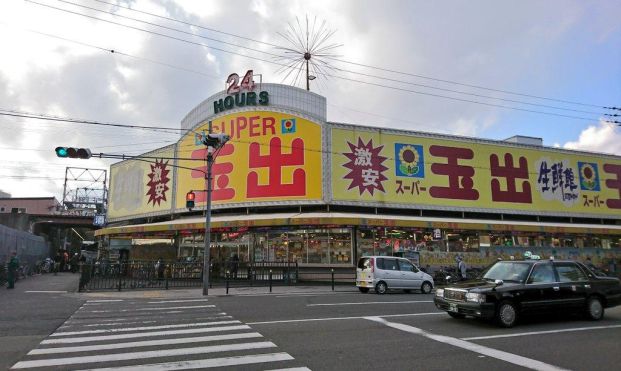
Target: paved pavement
(46, 305)
(158, 334)
(35, 308)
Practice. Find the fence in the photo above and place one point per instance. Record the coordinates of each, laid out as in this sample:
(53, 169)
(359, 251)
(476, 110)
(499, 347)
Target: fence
(150, 275)
(31, 250)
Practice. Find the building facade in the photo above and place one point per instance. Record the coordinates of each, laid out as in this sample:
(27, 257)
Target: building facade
(291, 186)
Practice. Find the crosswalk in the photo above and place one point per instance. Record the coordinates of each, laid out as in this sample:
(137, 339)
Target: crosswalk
(155, 334)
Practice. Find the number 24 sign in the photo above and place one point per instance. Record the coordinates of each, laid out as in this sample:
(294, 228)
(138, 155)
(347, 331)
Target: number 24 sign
(247, 83)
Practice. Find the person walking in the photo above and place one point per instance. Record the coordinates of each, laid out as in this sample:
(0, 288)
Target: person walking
(13, 266)
(461, 268)
(57, 260)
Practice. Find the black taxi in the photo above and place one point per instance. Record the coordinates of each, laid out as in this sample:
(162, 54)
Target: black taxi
(510, 288)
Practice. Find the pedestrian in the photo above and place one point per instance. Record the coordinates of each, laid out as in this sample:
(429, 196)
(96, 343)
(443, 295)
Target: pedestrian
(234, 266)
(13, 266)
(57, 261)
(461, 268)
(160, 267)
(73, 262)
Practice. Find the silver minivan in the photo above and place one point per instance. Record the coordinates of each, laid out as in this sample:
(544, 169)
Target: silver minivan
(383, 273)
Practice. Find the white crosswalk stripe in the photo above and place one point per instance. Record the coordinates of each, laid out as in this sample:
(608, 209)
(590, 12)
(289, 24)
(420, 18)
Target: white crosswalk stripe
(98, 336)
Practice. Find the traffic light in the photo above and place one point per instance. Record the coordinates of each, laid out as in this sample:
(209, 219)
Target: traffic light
(71, 152)
(189, 200)
(215, 140)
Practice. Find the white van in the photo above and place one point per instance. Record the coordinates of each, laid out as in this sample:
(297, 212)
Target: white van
(388, 272)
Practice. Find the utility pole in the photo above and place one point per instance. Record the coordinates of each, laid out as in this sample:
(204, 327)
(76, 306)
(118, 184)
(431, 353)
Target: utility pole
(213, 142)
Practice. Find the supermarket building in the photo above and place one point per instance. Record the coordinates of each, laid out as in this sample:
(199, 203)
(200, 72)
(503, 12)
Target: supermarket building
(291, 186)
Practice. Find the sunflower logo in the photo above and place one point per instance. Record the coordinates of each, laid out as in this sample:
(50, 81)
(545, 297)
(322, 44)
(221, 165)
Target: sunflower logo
(409, 160)
(589, 179)
(288, 126)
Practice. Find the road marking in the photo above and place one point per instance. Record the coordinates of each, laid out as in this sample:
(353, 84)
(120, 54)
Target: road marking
(46, 292)
(205, 363)
(541, 332)
(143, 322)
(143, 334)
(315, 294)
(103, 301)
(490, 352)
(142, 355)
(372, 302)
(147, 343)
(143, 328)
(339, 318)
(76, 321)
(150, 309)
(176, 301)
(292, 369)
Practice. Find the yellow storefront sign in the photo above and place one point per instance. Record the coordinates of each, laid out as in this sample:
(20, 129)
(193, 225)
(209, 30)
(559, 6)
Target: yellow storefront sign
(142, 186)
(271, 157)
(391, 168)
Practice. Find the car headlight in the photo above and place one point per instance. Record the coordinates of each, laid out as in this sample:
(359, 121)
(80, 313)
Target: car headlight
(440, 293)
(475, 298)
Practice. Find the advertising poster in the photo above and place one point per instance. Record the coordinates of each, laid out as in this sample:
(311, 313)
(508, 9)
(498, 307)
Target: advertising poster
(385, 168)
(270, 157)
(142, 186)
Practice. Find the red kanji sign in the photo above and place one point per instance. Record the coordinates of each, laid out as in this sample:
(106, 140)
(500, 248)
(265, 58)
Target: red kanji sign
(460, 176)
(510, 173)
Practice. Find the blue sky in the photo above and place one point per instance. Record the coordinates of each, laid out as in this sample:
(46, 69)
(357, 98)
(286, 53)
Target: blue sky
(567, 50)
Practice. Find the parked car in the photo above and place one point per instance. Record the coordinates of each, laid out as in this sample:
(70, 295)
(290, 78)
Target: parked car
(384, 273)
(509, 289)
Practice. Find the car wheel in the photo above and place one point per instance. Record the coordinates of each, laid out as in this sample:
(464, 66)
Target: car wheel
(363, 290)
(595, 309)
(507, 314)
(426, 288)
(457, 315)
(381, 288)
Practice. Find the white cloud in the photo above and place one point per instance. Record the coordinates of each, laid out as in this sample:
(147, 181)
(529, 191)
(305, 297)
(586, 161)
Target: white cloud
(604, 138)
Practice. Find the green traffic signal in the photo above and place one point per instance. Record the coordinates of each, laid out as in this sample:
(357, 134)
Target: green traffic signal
(70, 152)
(62, 152)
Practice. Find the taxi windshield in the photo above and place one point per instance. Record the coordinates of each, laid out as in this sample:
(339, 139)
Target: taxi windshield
(507, 271)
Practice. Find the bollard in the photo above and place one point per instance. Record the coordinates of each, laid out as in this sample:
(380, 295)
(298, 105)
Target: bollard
(270, 280)
(226, 281)
(332, 278)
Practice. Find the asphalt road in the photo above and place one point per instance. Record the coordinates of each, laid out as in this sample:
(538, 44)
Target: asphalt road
(405, 331)
(301, 329)
(34, 309)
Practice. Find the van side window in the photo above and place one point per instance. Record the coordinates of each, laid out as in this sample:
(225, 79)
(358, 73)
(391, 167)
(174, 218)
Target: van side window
(405, 265)
(380, 263)
(390, 264)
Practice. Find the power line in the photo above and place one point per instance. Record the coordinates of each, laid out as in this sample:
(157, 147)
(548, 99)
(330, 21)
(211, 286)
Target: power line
(362, 64)
(38, 116)
(334, 68)
(339, 77)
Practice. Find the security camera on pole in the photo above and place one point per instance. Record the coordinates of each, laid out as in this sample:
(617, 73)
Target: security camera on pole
(213, 142)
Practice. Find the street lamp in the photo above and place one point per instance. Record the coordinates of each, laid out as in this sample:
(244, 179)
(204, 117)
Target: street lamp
(213, 142)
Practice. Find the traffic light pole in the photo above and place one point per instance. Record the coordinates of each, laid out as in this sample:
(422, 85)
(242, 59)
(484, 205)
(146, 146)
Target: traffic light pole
(206, 254)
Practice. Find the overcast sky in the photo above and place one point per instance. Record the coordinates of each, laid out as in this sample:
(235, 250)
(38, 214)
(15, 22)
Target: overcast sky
(54, 62)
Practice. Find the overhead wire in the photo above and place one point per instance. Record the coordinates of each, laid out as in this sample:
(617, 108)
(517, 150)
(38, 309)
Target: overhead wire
(342, 77)
(321, 71)
(360, 64)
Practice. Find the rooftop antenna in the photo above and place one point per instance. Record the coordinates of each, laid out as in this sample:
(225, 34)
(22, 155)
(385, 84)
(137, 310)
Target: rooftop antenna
(308, 51)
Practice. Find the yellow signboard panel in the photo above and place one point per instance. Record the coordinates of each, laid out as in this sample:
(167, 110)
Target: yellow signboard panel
(271, 157)
(142, 186)
(383, 167)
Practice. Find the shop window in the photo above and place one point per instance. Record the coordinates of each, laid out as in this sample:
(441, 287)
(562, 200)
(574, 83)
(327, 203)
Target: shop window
(365, 239)
(463, 241)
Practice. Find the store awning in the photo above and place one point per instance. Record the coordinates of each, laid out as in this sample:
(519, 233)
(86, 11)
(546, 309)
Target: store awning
(363, 220)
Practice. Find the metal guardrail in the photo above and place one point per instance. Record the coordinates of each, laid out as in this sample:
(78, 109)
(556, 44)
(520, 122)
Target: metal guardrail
(148, 275)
